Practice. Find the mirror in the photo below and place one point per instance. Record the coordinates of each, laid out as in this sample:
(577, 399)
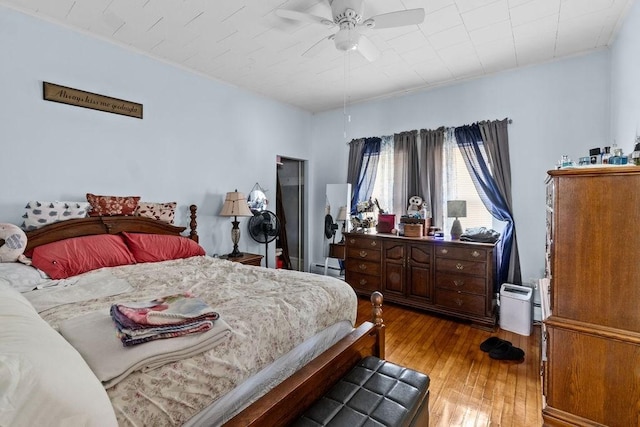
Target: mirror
(257, 199)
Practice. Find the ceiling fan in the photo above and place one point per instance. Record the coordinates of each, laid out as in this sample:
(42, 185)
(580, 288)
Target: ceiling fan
(348, 16)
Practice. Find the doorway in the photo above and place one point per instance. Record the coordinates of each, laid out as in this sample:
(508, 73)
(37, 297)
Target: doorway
(290, 205)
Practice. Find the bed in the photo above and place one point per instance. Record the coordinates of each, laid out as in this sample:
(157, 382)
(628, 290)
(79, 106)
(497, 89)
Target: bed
(269, 364)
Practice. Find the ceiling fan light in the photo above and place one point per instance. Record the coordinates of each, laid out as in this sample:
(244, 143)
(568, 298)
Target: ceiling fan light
(347, 40)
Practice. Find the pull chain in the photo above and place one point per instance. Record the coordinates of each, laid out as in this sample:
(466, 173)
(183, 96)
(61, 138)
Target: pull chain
(345, 99)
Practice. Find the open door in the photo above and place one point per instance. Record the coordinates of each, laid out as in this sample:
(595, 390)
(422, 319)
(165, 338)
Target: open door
(290, 204)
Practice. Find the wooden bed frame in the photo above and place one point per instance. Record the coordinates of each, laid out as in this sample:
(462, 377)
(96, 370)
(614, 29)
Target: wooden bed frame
(107, 225)
(293, 396)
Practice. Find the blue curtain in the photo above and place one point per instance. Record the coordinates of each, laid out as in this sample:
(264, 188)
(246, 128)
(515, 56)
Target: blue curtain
(367, 176)
(469, 139)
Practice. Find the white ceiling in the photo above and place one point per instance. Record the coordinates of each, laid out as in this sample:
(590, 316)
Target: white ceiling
(244, 43)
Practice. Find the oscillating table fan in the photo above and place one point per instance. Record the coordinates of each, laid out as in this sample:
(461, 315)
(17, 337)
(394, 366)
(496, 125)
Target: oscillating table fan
(264, 227)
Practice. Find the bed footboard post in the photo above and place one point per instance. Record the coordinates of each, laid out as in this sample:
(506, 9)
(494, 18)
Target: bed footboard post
(193, 234)
(376, 302)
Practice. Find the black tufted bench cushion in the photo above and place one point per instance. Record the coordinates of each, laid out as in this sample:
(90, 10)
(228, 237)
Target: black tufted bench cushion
(374, 393)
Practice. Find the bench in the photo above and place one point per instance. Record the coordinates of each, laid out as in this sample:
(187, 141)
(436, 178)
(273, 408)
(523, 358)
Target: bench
(375, 393)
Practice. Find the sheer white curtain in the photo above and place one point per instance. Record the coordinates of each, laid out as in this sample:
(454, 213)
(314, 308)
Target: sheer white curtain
(458, 185)
(383, 188)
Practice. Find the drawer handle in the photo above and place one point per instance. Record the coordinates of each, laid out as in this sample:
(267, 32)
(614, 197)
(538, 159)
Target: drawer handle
(374, 243)
(352, 241)
(444, 251)
(459, 266)
(475, 254)
(362, 267)
(363, 254)
(458, 302)
(363, 282)
(458, 283)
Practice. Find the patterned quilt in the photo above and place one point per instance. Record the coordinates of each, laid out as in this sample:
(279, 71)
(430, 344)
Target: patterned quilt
(269, 312)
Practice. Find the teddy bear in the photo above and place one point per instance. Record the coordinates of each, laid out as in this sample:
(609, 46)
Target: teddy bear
(15, 242)
(415, 204)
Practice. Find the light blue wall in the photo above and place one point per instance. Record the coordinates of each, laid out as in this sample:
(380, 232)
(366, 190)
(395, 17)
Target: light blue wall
(557, 108)
(625, 87)
(199, 138)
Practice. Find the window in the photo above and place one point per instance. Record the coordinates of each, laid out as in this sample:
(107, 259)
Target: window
(458, 184)
(383, 187)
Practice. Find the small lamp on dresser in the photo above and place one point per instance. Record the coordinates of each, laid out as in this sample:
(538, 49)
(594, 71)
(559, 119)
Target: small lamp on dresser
(456, 209)
(235, 205)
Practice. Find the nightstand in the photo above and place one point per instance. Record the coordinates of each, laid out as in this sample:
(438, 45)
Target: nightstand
(246, 259)
(336, 250)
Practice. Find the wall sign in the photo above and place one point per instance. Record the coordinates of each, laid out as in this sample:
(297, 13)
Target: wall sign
(80, 98)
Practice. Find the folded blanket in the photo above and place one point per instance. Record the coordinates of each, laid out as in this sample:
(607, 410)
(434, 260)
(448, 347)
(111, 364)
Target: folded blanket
(131, 333)
(480, 234)
(165, 310)
(128, 340)
(125, 322)
(94, 337)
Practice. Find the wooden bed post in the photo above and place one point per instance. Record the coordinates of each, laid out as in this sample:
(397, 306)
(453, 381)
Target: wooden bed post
(193, 234)
(376, 302)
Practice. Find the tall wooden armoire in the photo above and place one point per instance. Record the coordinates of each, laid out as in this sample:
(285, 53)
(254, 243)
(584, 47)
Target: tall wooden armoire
(592, 371)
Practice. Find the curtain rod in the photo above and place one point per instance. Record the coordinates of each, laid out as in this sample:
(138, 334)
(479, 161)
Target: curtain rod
(509, 121)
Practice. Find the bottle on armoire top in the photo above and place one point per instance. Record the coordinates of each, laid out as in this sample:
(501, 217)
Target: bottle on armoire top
(606, 155)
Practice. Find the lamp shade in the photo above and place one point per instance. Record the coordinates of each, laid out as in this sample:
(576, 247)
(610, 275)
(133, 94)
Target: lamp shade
(342, 214)
(235, 204)
(456, 208)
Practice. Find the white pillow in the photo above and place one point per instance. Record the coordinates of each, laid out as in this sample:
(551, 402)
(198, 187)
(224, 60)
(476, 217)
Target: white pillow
(40, 213)
(43, 379)
(22, 278)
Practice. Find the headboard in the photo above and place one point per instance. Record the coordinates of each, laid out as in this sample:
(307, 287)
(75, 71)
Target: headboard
(107, 225)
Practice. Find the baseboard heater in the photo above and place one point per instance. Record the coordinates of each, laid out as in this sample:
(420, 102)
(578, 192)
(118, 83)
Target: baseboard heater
(318, 268)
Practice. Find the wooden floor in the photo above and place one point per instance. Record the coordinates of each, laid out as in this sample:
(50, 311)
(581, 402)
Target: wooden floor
(468, 388)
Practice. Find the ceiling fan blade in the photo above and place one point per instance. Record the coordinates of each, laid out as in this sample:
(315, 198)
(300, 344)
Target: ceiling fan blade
(318, 47)
(396, 19)
(367, 48)
(303, 17)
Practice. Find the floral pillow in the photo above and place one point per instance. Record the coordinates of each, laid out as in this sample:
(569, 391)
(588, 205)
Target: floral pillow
(39, 213)
(165, 212)
(112, 205)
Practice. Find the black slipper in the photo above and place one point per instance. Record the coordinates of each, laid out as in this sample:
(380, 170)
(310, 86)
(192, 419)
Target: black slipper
(491, 343)
(506, 352)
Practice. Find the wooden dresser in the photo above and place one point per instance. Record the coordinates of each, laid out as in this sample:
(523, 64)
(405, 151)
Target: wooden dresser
(592, 371)
(448, 277)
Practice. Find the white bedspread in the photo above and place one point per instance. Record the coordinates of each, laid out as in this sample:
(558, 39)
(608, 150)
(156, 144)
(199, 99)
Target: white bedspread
(268, 311)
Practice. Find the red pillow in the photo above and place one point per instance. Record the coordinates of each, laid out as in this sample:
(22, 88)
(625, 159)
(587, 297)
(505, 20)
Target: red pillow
(160, 247)
(77, 255)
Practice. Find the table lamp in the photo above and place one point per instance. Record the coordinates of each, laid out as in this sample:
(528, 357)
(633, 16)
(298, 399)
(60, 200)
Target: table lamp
(456, 209)
(235, 205)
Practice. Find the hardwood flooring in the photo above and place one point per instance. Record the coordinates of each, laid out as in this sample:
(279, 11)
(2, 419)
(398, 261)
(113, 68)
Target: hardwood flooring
(468, 388)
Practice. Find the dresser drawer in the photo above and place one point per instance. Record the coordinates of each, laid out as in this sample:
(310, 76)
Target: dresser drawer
(461, 282)
(363, 282)
(363, 254)
(471, 254)
(363, 267)
(363, 242)
(461, 266)
(461, 302)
